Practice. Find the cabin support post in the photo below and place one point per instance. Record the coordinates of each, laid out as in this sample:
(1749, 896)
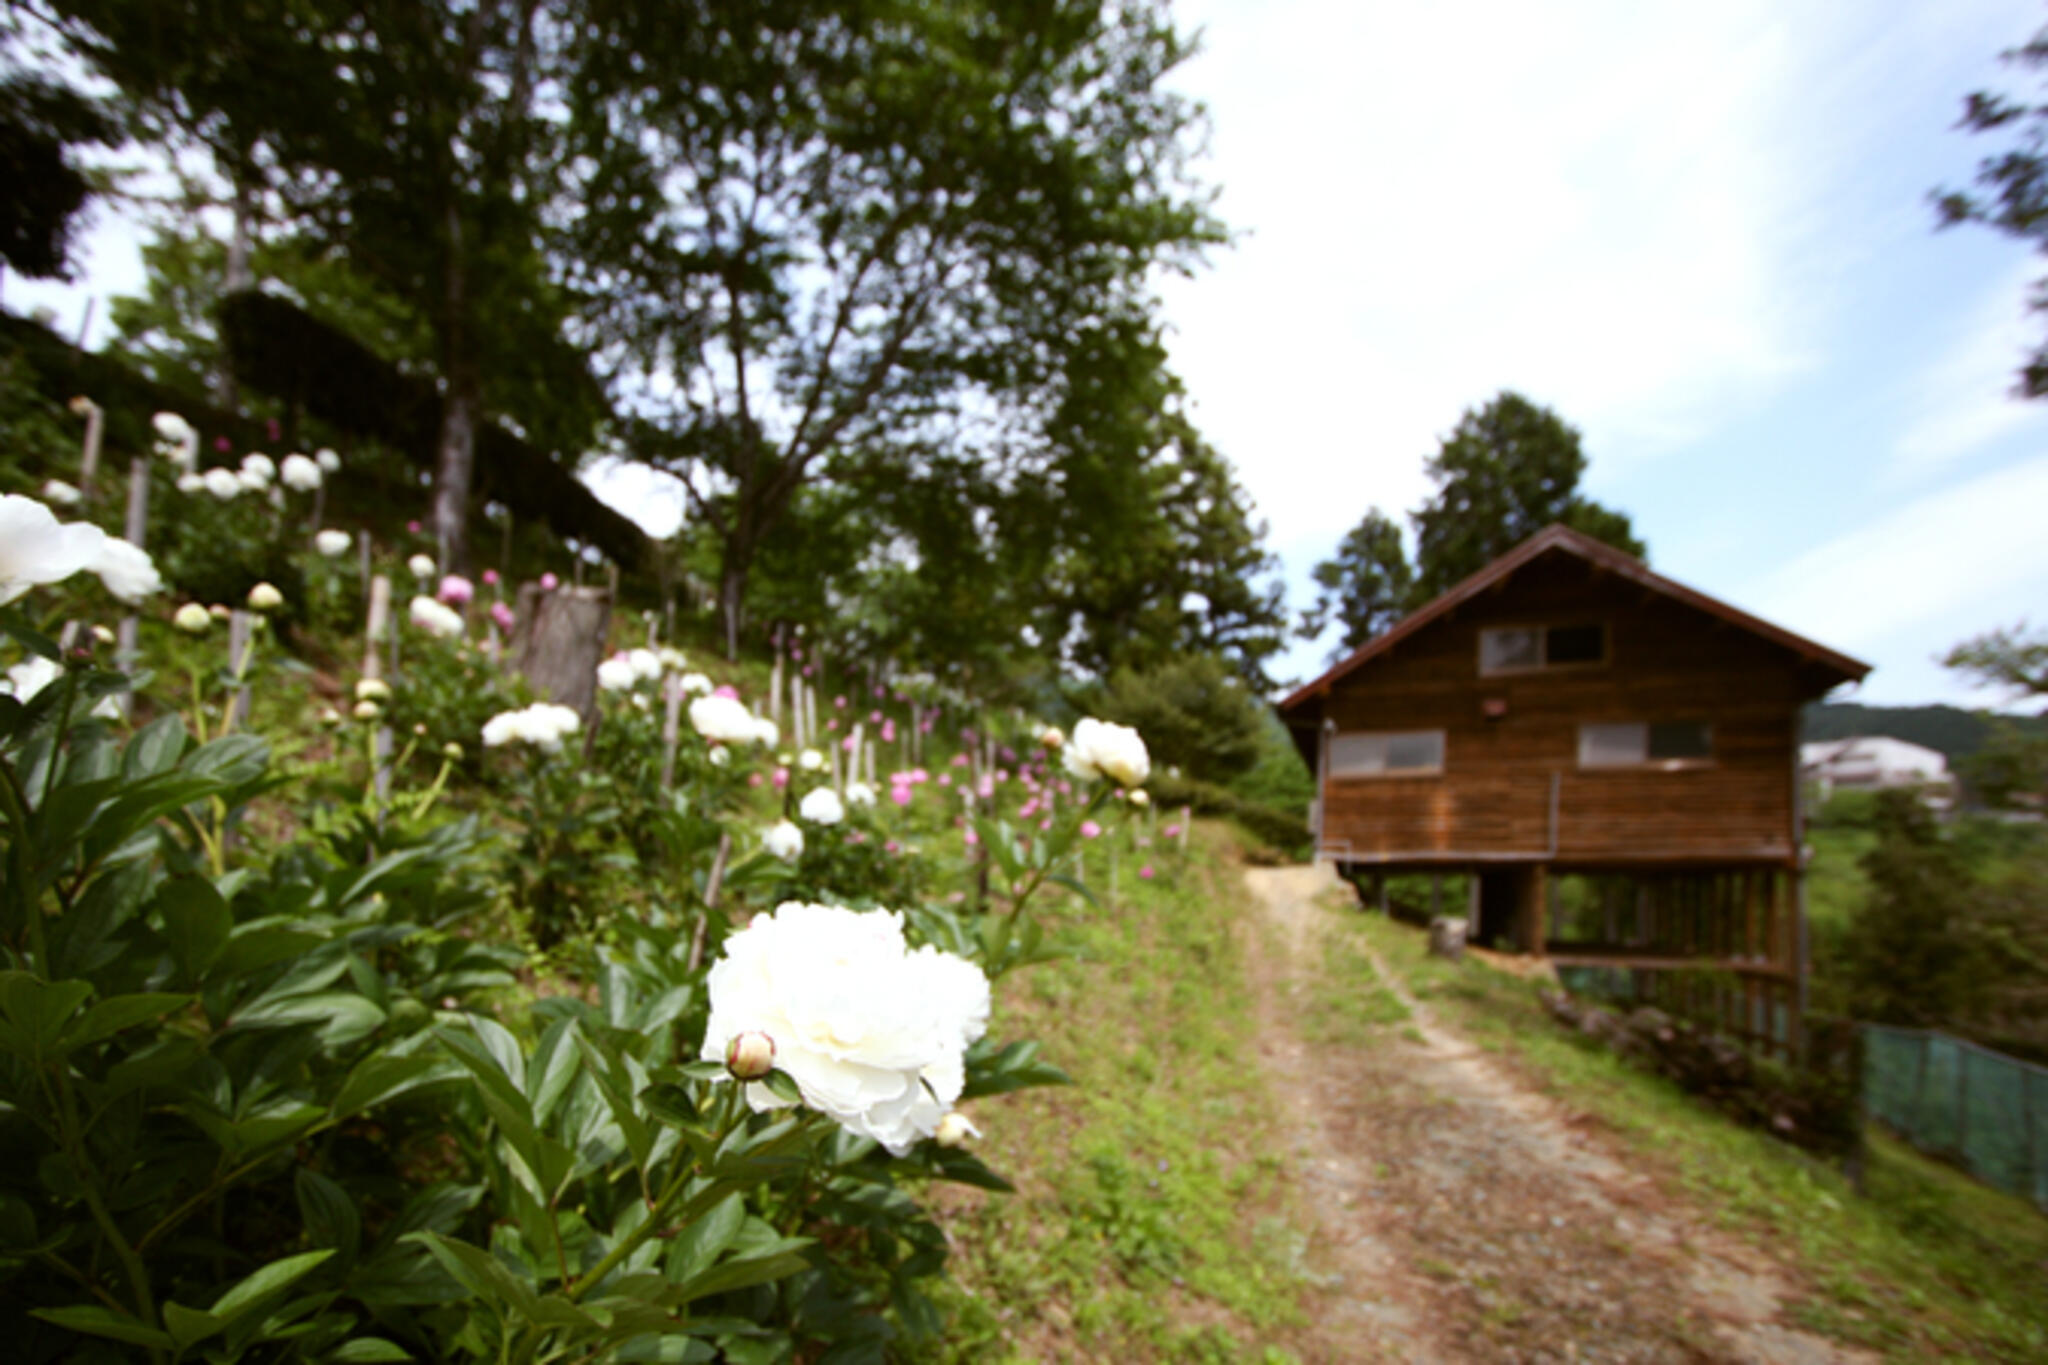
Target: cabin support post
(1535, 909)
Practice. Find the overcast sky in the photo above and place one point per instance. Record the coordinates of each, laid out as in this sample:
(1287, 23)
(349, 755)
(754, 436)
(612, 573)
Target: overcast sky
(1699, 232)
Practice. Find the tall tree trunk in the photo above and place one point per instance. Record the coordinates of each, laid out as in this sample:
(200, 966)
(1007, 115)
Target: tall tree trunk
(238, 276)
(455, 467)
(732, 596)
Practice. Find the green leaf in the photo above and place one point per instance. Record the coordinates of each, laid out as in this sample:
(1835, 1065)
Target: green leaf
(270, 1279)
(328, 1211)
(93, 1320)
(229, 761)
(965, 1168)
(196, 923)
(480, 1272)
(383, 1077)
(189, 1324)
(37, 1012)
(367, 1351)
(155, 747)
(699, 1245)
(345, 1016)
(110, 1016)
(1077, 887)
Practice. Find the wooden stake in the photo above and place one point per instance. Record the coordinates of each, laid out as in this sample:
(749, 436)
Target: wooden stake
(671, 728)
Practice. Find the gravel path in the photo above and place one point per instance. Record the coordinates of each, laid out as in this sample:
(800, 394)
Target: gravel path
(1461, 1216)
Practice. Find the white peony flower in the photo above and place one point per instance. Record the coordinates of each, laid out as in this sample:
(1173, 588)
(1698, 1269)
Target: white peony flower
(35, 673)
(766, 732)
(299, 473)
(173, 428)
(821, 807)
(329, 462)
(1051, 737)
(332, 543)
(1141, 797)
(859, 794)
(873, 1034)
(260, 467)
(422, 566)
(435, 618)
(222, 483)
(543, 725)
(616, 675)
(720, 756)
(784, 840)
(191, 482)
(1102, 749)
(249, 481)
(696, 684)
(646, 664)
(61, 493)
(127, 570)
(671, 659)
(811, 761)
(36, 548)
(722, 719)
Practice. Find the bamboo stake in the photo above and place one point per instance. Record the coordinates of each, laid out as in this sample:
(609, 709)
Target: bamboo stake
(134, 530)
(711, 886)
(671, 728)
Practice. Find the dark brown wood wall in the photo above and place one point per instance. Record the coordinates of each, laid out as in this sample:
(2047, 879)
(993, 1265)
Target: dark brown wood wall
(1668, 662)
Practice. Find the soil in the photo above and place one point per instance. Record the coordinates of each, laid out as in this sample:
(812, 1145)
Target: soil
(1461, 1215)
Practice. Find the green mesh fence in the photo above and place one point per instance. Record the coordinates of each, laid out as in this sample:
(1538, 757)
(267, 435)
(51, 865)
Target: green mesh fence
(1984, 1110)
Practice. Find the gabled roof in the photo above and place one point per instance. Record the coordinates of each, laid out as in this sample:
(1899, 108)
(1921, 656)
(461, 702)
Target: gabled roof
(1560, 539)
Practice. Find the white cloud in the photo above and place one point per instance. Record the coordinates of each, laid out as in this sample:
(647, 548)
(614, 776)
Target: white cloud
(1964, 400)
(1934, 569)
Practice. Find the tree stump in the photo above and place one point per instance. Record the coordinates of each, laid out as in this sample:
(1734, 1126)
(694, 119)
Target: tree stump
(559, 639)
(1447, 937)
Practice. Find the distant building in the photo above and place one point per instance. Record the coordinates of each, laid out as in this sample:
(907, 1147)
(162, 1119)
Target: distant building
(1876, 763)
(1567, 713)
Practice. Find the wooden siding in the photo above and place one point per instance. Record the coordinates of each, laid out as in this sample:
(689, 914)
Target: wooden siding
(1494, 799)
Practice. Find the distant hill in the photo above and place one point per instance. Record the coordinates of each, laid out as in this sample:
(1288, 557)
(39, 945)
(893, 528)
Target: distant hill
(1949, 729)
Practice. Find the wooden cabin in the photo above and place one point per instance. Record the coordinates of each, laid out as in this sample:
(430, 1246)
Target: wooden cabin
(1567, 716)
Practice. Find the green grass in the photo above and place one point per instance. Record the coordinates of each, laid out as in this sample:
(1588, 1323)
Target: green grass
(1926, 1265)
(1153, 1216)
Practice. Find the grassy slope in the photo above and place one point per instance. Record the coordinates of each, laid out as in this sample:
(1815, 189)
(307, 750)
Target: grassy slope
(1152, 1221)
(1926, 1266)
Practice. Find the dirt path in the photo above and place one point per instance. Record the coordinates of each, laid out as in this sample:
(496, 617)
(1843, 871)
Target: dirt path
(1462, 1217)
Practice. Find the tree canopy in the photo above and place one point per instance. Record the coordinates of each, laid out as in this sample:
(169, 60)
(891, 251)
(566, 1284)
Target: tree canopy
(1507, 470)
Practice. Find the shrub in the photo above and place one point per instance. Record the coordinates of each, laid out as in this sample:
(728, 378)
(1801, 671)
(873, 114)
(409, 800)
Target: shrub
(1195, 713)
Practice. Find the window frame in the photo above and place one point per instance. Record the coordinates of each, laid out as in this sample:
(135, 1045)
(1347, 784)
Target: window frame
(1543, 663)
(1337, 774)
(1647, 763)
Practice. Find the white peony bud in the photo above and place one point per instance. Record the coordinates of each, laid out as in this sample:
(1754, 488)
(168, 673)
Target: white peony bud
(954, 1130)
(61, 493)
(329, 462)
(750, 1055)
(368, 710)
(372, 689)
(784, 841)
(192, 618)
(332, 543)
(422, 567)
(265, 597)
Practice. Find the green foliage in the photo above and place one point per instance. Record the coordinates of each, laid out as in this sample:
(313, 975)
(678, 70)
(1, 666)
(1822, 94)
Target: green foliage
(1282, 830)
(1366, 587)
(2012, 190)
(1195, 713)
(1279, 779)
(1910, 959)
(1506, 471)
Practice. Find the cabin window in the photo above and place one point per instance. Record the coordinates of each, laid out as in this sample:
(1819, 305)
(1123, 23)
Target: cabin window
(1386, 753)
(1657, 744)
(1528, 649)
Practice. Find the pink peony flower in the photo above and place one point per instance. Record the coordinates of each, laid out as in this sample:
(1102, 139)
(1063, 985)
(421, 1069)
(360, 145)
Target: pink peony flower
(839, 702)
(847, 744)
(972, 837)
(832, 724)
(1145, 872)
(888, 732)
(959, 760)
(945, 779)
(223, 444)
(726, 690)
(490, 578)
(919, 775)
(807, 670)
(1046, 823)
(413, 527)
(892, 847)
(1171, 831)
(456, 590)
(548, 582)
(273, 430)
(1027, 810)
(900, 795)
(781, 778)
(1090, 830)
(753, 779)
(502, 614)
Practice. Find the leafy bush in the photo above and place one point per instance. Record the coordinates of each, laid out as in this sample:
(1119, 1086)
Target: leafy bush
(1195, 712)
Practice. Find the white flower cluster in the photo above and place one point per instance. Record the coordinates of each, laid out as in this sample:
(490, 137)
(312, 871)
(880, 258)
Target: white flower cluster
(176, 441)
(821, 807)
(873, 1032)
(299, 473)
(628, 669)
(435, 618)
(543, 725)
(1099, 749)
(722, 720)
(332, 543)
(37, 549)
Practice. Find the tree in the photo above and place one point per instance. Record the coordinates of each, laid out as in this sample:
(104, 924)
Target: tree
(1506, 471)
(882, 240)
(40, 122)
(1195, 712)
(2012, 186)
(1911, 953)
(2012, 764)
(1367, 586)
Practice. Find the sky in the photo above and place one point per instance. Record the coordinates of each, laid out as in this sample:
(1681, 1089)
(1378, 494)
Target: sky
(1700, 233)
